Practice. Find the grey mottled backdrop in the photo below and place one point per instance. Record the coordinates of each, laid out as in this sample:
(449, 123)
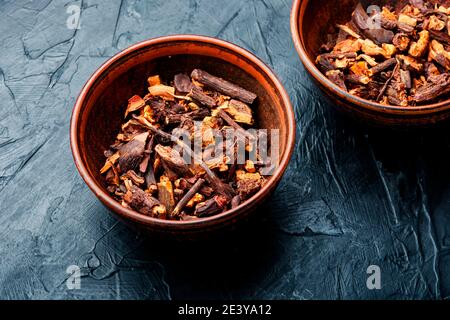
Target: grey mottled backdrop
(352, 197)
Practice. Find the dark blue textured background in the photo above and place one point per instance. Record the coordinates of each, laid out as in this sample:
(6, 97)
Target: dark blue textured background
(351, 197)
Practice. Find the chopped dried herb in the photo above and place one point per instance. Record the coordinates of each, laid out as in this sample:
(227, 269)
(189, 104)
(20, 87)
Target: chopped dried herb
(393, 56)
(152, 170)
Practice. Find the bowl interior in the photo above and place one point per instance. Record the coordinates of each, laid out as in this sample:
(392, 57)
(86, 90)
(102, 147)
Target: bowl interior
(102, 110)
(320, 15)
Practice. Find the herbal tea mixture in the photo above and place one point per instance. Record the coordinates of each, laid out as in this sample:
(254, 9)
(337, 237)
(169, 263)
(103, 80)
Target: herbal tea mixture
(149, 167)
(398, 57)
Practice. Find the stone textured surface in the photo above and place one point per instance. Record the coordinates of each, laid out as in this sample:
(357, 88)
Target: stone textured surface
(352, 197)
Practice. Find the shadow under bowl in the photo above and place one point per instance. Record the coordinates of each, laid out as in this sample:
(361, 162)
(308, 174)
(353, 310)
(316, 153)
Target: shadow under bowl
(310, 24)
(99, 109)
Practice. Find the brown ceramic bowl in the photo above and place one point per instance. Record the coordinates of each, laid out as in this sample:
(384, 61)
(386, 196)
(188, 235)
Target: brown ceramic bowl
(98, 114)
(310, 20)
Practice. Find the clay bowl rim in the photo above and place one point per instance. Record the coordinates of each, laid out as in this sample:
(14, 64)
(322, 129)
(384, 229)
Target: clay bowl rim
(250, 204)
(310, 66)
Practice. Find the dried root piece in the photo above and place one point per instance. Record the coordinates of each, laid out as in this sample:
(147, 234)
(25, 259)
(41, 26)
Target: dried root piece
(362, 20)
(338, 78)
(236, 201)
(404, 19)
(325, 63)
(405, 78)
(444, 10)
(239, 111)
(370, 60)
(410, 63)
(418, 48)
(148, 167)
(401, 41)
(207, 131)
(360, 72)
(439, 54)
(347, 46)
(154, 80)
(190, 198)
(211, 207)
(172, 160)
(388, 19)
(134, 177)
(382, 66)
(431, 70)
(150, 180)
(342, 63)
(250, 166)
(131, 154)
(223, 86)
(389, 50)
(144, 203)
(405, 38)
(248, 183)
(436, 24)
(110, 162)
(165, 194)
(162, 91)
(349, 31)
(219, 162)
(135, 103)
(380, 96)
(440, 36)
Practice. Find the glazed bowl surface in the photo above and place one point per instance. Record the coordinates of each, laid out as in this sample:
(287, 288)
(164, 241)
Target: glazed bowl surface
(310, 24)
(98, 115)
